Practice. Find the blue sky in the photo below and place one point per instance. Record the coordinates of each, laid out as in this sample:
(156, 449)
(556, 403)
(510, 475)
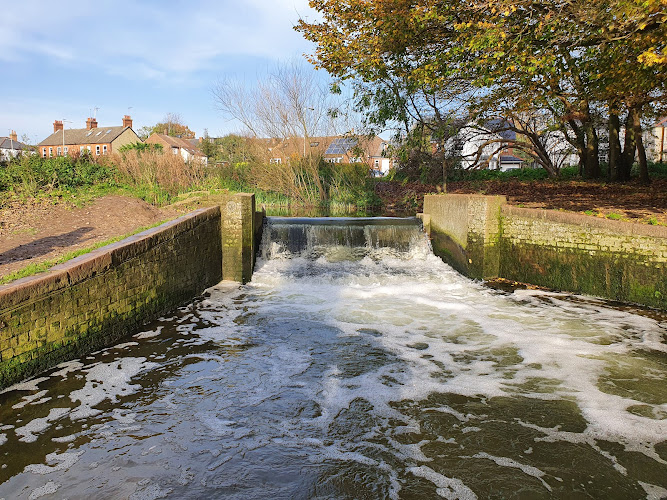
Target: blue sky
(61, 59)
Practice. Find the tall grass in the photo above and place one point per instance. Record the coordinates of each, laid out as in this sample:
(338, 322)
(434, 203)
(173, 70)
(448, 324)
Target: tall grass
(159, 177)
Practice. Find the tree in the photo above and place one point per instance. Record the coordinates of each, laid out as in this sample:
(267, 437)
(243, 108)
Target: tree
(172, 125)
(291, 105)
(568, 58)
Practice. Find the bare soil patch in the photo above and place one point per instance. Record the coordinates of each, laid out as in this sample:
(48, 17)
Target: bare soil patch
(630, 202)
(36, 231)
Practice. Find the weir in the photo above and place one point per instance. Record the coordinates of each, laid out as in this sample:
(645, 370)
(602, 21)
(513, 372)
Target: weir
(340, 238)
(354, 364)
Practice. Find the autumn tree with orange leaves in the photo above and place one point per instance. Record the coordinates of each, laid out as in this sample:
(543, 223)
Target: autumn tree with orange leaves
(586, 63)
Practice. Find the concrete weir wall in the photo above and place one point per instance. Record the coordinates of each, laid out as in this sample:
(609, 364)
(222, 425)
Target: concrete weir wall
(95, 299)
(484, 238)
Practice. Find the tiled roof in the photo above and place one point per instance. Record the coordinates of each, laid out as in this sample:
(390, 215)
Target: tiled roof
(175, 142)
(7, 143)
(98, 135)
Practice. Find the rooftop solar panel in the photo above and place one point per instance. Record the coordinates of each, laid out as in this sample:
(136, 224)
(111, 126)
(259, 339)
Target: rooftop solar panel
(340, 146)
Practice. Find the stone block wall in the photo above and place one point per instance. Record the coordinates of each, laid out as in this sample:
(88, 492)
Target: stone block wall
(95, 299)
(465, 231)
(238, 237)
(618, 260)
(484, 238)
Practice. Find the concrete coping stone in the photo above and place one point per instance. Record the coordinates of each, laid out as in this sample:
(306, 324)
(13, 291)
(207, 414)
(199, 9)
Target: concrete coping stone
(99, 260)
(587, 221)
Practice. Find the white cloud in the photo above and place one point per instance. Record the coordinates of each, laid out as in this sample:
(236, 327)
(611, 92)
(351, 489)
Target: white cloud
(152, 40)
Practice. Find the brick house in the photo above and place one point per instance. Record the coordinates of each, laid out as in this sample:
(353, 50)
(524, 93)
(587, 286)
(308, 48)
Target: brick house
(97, 140)
(187, 148)
(334, 149)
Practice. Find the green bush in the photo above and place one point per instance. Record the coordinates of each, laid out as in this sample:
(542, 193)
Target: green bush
(522, 174)
(31, 173)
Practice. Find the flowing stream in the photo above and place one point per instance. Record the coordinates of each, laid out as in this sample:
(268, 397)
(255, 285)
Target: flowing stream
(355, 364)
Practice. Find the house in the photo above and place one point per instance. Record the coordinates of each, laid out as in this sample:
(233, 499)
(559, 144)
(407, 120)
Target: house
(96, 140)
(488, 144)
(187, 148)
(370, 150)
(10, 147)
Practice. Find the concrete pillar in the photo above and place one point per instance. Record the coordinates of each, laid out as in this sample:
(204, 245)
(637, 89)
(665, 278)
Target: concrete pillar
(465, 232)
(238, 242)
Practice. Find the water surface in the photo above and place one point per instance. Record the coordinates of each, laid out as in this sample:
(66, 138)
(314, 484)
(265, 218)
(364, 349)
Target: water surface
(363, 371)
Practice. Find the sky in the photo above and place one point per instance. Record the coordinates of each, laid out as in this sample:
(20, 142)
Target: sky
(146, 58)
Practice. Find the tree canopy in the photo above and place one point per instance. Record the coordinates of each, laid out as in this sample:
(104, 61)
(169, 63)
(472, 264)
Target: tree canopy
(574, 64)
(172, 125)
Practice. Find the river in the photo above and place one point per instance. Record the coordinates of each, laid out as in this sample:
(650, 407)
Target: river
(353, 370)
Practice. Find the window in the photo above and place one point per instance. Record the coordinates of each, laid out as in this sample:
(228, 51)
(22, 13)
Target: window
(80, 149)
(104, 149)
(97, 150)
(88, 148)
(66, 150)
(50, 151)
(59, 152)
(43, 152)
(174, 150)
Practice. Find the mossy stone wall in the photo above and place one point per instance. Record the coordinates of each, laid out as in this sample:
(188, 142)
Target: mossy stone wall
(95, 299)
(465, 231)
(617, 260)
(484, 238)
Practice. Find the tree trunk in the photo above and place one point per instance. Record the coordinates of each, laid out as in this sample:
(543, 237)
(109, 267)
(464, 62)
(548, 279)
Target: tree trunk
(614, 147)
(591, 160)
(641, 152)
(629, 149)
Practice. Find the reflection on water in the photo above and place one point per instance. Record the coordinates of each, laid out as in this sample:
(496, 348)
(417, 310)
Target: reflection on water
(385, 376)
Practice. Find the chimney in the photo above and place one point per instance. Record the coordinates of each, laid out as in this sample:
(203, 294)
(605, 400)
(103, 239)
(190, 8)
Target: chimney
(91, 123)
(201, 139)
(127, 121)
(13, 136)
(57, 125)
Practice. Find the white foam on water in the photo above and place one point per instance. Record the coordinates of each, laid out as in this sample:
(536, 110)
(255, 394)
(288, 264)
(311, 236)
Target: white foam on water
(653, 492)
(3, 439)
(48, 489)
(67, 367)
(508, 462)
(62, 462)
(149, 334)
(28, 385)
(28, 433)
(64, 439)
(532, 344)
(447, 487)
(30, 399)
(107, 381)
(125, 345)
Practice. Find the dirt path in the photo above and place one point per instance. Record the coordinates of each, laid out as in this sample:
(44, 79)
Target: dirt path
(35, 232)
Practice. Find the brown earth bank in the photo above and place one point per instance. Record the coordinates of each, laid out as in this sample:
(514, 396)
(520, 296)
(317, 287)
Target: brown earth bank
(35, 231)
(630, 202)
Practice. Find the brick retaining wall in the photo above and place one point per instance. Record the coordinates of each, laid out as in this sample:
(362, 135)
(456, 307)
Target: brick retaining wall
(95, 299)
(484, 238)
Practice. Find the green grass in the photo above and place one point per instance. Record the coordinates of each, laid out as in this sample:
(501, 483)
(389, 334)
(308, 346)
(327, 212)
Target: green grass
(39, 267)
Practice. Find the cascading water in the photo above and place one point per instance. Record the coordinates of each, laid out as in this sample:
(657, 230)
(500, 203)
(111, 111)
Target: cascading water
(353, 367)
